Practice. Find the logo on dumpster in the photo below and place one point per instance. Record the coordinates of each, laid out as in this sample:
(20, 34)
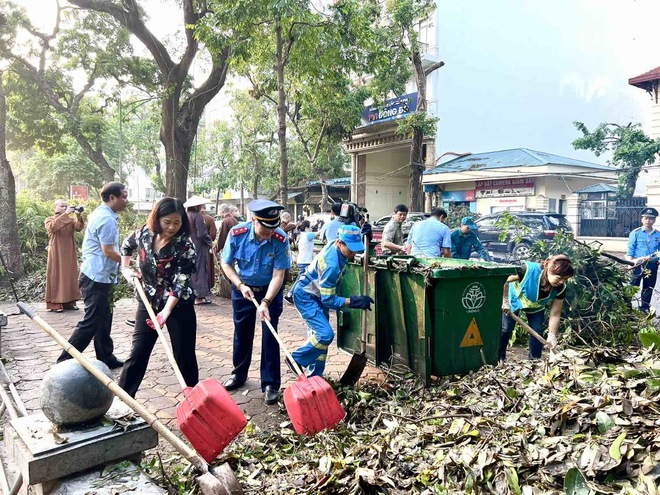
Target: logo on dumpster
(474, 297)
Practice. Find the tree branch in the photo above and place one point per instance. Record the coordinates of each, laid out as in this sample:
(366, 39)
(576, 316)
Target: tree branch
(433, 68)
(213, 84)
(133, 22)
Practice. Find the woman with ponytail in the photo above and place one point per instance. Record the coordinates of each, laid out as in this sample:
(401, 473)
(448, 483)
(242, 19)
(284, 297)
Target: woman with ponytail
(535, 287)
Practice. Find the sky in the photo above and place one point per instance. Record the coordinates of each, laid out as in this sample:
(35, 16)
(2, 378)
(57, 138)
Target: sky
(519, 72)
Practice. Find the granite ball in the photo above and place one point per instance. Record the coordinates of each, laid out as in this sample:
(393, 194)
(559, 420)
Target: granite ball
(71, 395)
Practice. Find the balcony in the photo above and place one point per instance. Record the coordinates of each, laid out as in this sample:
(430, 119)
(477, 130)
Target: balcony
(430, 54)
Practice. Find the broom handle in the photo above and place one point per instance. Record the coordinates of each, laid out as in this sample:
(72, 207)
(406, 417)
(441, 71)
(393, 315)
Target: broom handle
(525, 326)
(279, 340)
(161, 335)
(150, 418)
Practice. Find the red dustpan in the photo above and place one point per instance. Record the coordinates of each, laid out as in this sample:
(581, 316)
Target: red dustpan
(208, 415)
(311, 402)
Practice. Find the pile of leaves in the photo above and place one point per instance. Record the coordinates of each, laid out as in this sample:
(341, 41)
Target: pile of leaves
(578, 422)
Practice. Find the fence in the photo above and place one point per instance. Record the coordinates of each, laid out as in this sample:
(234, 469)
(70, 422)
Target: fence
(610, 218)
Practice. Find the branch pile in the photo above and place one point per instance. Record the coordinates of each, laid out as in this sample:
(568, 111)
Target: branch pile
(578, 422)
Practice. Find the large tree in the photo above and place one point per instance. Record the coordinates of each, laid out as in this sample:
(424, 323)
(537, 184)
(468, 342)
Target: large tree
(631, 150)
(10, 244)
(181, 105)
(401, 28)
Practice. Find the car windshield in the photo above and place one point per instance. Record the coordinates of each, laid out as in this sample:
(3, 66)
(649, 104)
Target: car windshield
(533, 222)
(556, 221)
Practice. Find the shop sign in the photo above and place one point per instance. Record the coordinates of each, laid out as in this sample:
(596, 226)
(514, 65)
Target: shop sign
(504, 187)
(457, 196)
(394, 108)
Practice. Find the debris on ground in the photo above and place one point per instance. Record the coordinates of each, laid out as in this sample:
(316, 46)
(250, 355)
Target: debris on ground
(578, 422)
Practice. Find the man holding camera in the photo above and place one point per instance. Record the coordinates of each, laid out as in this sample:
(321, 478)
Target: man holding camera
(62, 290)
(98, 274)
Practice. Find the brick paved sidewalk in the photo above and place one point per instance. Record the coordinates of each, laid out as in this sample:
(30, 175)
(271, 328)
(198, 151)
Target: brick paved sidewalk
(28, 353)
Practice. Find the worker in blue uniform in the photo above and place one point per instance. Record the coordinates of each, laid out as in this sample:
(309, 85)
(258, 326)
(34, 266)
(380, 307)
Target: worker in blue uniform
(254, 259)
(643, 247)
(316, 290)
(465, 239)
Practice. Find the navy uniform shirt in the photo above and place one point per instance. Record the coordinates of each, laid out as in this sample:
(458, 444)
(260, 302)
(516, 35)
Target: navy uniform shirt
(641, 244)
(255, 261)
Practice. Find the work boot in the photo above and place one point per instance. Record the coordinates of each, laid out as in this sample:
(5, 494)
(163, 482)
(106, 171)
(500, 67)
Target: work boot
(271, 395)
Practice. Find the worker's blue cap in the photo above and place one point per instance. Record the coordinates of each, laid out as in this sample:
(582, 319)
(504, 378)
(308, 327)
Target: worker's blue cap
(266, 212)
(350, 235)
(467, 221)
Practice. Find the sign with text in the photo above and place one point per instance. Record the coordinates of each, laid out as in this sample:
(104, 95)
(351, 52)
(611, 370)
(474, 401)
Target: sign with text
(394, 108)
(458, 196)
(504, 187)
(79, 192)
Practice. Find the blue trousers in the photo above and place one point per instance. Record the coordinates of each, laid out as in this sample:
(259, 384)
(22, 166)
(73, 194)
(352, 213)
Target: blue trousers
(639, 274)
(314, 352)
(245, 318)
(535, 320)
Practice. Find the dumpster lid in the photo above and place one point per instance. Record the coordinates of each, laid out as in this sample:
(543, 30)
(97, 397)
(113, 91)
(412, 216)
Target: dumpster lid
(452, 267)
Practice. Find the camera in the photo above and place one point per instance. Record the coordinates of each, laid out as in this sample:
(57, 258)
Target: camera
(351, 213)
(79, 209)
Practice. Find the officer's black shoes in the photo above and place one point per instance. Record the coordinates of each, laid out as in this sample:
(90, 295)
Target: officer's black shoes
(114, 363)
(289, 298)
(271, 395)
(233, 383)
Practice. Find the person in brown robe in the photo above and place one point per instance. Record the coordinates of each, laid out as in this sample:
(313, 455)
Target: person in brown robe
(203, 244)
(228, 222)
(62, 290)
(209, 221)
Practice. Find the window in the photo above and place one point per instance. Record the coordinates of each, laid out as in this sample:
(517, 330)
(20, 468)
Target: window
(552, 205)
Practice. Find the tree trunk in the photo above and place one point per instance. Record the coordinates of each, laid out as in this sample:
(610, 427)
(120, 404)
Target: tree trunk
(177, 143)
(325, 203)
(281, 117)
(10, 244)
(416, 194)
(257, 178)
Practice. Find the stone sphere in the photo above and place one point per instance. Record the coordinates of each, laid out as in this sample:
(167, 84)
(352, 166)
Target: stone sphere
(71, 395)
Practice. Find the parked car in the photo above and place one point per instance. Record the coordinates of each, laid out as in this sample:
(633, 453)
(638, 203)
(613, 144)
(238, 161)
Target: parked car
(539, 226)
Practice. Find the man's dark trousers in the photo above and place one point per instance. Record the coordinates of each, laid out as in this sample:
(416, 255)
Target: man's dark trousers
(245, 317)
(646, 273)
(97, 322)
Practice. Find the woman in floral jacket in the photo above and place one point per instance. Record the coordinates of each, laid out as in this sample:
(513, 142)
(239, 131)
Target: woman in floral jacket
(166, 258)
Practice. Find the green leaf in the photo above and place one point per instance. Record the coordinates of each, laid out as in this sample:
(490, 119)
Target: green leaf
(604, 422)
(575, 483)
(514, 484)
(649, 339)
(615, 448)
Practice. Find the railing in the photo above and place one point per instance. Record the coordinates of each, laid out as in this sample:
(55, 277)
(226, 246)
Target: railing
(609, 218)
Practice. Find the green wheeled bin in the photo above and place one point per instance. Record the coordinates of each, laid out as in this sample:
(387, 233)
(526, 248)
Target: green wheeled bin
(433, 315)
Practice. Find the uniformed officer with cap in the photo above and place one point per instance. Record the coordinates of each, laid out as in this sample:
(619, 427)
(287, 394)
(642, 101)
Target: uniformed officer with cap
(643, 247)
(254, 259)
(316, 290)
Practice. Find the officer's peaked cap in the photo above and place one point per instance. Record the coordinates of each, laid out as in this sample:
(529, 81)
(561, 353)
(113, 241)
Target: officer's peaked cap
(267, 212)
(649, 212)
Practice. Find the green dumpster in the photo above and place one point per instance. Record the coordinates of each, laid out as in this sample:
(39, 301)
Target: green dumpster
(434, 316)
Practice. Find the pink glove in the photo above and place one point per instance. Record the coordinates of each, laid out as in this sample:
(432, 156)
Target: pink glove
(160, 317)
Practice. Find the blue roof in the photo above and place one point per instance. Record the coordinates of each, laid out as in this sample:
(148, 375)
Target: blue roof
(342, 181)
(599, 188)
(517, 157)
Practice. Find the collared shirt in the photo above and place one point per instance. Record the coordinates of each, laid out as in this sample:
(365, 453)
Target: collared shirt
(641, 243)
(167, 272)
(323, 276)
(255, 261)
(428, 237)
(102, 230)
(392, 232)
(462, 245)
(330, 233)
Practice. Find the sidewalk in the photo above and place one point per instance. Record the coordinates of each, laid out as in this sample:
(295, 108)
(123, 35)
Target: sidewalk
(28, 353)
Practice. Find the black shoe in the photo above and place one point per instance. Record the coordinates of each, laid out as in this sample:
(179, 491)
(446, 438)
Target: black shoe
(271, 395)
(288, 298)
(130, 323)
(114, 363)
(233, 383)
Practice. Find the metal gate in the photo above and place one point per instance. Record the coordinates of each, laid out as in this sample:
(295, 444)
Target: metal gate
(610, 218)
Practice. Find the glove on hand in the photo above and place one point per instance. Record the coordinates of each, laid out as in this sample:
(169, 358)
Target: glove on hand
(160, 317)
(552, 340)
(129, 274)
(361, 302)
